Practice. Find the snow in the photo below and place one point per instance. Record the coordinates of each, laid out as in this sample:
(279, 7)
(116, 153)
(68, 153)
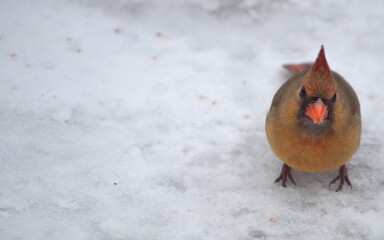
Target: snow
(144, 119)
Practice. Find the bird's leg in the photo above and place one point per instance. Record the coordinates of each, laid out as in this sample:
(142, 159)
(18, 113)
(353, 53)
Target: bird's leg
(285, 172)
(343, 177)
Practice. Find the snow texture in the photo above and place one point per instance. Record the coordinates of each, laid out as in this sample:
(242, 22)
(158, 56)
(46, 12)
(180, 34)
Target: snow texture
(138, 119)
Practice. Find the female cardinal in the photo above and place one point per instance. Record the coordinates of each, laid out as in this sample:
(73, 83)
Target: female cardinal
(314, 122)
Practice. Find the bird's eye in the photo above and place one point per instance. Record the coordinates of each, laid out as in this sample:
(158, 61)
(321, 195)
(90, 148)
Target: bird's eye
(303, 93)
(334, 98)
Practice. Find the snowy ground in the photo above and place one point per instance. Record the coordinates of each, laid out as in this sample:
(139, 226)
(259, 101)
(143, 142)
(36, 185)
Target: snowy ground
(139, 120)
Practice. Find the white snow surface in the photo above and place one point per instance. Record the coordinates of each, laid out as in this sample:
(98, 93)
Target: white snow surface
(138, 119)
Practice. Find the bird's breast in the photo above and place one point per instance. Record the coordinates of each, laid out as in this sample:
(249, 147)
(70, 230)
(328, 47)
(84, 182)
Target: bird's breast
(315, 145)
(310, 152)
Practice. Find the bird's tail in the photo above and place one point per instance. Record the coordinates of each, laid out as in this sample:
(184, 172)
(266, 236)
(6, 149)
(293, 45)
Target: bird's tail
(297, 68)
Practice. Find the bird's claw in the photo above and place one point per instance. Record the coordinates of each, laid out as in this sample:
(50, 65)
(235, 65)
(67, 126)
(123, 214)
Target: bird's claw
(343, 177)
(284, 175)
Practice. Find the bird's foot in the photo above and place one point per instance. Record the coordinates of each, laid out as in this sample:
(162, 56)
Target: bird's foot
(285, 172)
(343, 177)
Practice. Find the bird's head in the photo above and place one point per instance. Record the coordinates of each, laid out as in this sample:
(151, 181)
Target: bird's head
(318, 92)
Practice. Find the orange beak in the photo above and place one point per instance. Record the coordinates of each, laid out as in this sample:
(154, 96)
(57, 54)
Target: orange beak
(317, 111)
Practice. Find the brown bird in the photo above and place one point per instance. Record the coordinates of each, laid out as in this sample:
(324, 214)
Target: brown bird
(314, 122)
